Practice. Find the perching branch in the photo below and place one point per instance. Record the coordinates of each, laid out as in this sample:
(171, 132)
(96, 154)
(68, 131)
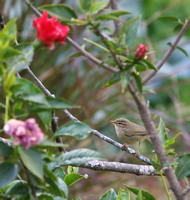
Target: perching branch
(147, 170)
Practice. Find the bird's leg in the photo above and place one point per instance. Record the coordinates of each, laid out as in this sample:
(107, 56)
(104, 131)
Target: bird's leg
(136, 153)
(123, 147)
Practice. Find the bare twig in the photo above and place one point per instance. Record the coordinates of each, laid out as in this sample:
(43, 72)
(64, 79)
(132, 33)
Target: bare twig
(168, 53)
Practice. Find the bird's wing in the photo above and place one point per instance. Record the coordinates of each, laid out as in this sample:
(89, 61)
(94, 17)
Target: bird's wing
(140, 131)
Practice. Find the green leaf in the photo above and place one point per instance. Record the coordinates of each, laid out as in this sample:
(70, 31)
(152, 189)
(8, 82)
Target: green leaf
(183, 50)
(63, 186)
(162, 132)
(119, 12)
(183, 168)
(123, 195)
(141, 68)
(107, 17)
(46, 118)
(156, 165)
(76, 157)
(48, 143)
(96, 44)
(34, 98)
(76, 129)
(9, 82)
(8, 52)
(8, 173)
(46, 196)
(56, 187)
(146, 195)
(111, 15)
(74, 55)
(171, 141)
(139, 196)
(85, 5)
(72, 169)
(59, 172)
(8, 34)
(148, 89)
(53, 104)
(124, 81)
(72, 178)
(109, 195)
(148, 64)
(32, 160)
(172, 163)
(115, 78)
(24, 87)
(17, 188)
(61, 11)
(171, 152)
(22, 61)
(138, 80)
(130, 29)
(171, 18)
(5, 150)
(97, 6)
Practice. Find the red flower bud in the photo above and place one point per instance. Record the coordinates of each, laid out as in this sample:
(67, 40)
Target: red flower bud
(140, 52)
(49, 30)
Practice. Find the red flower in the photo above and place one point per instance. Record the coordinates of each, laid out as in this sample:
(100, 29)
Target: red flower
(140, 52)
(49, 30)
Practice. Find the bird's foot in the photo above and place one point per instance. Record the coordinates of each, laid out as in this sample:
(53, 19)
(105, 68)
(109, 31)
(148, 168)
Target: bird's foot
(123, 147)
(137, 153)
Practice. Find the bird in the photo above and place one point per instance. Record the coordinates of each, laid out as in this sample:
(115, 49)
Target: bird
(129, 132)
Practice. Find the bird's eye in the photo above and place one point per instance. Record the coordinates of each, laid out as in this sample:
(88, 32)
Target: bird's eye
(119, 123)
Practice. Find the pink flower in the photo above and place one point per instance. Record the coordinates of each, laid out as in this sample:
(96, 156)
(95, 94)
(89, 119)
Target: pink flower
(140, 52)
(49, 30)
(27, 133)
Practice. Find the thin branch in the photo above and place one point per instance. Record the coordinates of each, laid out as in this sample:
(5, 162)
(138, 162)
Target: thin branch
(90, 56)
(33, 8)
(168, 53)
(120, 167)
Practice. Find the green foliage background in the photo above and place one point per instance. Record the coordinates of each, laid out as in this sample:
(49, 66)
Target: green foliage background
(81, 82)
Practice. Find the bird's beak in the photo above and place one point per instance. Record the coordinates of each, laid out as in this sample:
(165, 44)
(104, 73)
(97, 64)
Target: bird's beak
(113, 122)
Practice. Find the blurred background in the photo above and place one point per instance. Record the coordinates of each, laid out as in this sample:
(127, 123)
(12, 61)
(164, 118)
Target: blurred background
(81, 82)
